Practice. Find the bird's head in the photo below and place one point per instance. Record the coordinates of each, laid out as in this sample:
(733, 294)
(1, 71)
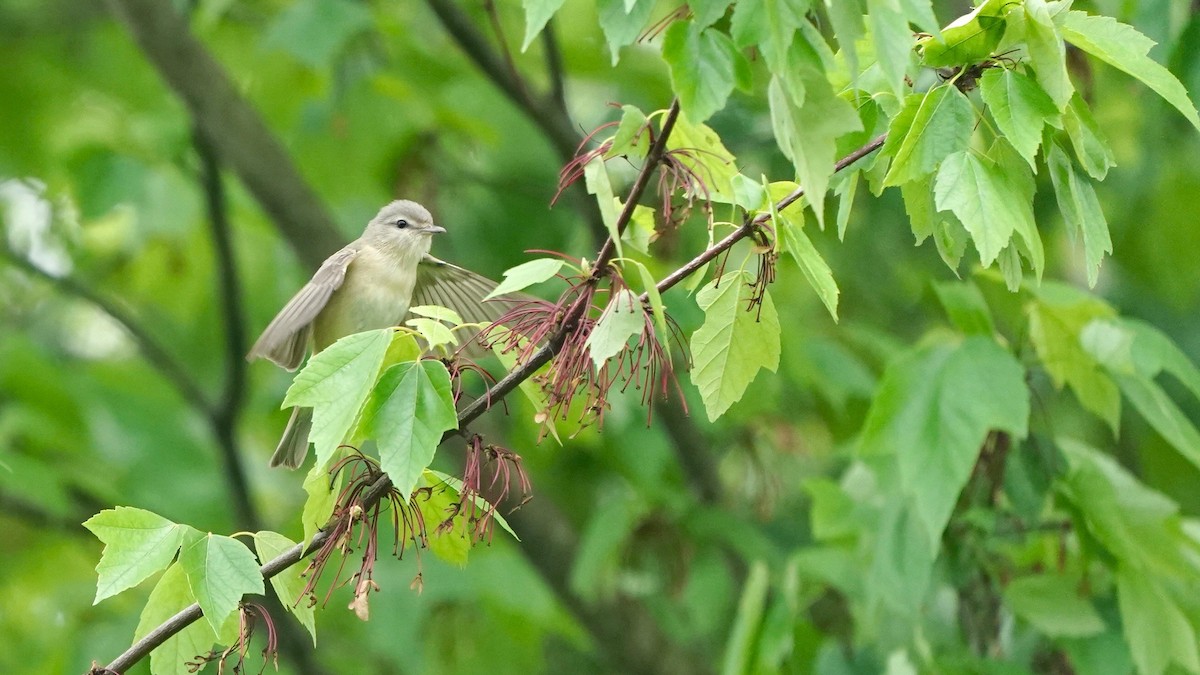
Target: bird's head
(402, 225)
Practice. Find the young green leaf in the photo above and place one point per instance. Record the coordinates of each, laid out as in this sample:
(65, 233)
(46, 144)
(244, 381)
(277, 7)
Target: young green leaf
(1080, 210)
(986, 200)
(220, 571)
(846, 17)
(847, 191)
(595, 177)
(1020, 107)
(451, 544)
(322, 490)
(640, 232)
(622, 319)
(733, 344)
(406, 414)
(702, 63)
(1047, 53)
(815, 269)
(622, 22)
(632, 137)
(290, 583)
(537, 14)
(769, 24)
(1123, 47)
(965, 306)
(941, 126)
(893, 41)
(968, 39)
(1057, 318)
(807, 134)
(137, 544)
(434, 333)
(335, 383)
(170, 595)
(1091, 145)
(438, 478)
(705, 156)
(1052, 604)
(933, 411)
(437, 312)
(1156, 627)
(527, 274)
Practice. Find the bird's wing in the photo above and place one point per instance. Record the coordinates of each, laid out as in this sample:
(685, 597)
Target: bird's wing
(284, 340)
(440, 283)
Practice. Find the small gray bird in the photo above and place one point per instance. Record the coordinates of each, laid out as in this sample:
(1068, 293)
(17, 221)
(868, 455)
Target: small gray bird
(369, 284)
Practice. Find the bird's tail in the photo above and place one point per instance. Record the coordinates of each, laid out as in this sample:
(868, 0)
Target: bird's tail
(293, 447)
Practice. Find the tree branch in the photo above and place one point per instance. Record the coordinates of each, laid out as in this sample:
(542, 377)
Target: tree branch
(230, 122)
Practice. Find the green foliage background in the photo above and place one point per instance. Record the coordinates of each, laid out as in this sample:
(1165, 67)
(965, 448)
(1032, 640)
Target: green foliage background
(724, 537)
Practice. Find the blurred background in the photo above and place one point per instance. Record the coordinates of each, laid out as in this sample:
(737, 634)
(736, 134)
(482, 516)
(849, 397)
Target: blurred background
(121, 372)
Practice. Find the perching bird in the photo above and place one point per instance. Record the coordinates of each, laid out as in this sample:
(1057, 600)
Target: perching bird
(367, 285)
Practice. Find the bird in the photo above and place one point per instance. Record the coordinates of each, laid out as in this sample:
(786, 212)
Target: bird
(369, 284)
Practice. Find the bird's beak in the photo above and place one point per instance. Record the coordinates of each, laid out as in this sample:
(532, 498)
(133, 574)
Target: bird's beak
(434, 229)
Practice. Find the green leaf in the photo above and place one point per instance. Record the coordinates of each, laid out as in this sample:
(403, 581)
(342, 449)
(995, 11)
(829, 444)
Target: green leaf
(968, 39)
(918, 204)
(1080, 210)
(437, 312)
(632, 137)
(595, 176)
(439, 478)
(807, 134)
(1090, 144)
(733, 344)
(706, 156)
(334, 383)
(1156, 628)
(622, 319)
(1123, 47)
(537, 14)
(707, 12)
(965, 306)
(1019, 175)
(170, 595)
(531, 389)
(769, 24)
(846, 17)
(290, 583)
(934, 408)
(322, 490)
(1154, 404)
(220, 571)
(452, 544)
(406, 415)
(1057, 318)
(702, 67)
(640, 232)
(1152, 352)
(902, 561)
(137, 544)
(893, 41)
(1140, 527)
(941, 126)
(985, 199)
(1020, 107)
(623, 24)
(434, 333)
(847, 192)
(814, 267)
(527, 274)
(1047, 53)
(1053, 605)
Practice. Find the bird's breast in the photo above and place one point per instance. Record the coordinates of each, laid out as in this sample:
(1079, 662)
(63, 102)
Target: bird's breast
(375, 294)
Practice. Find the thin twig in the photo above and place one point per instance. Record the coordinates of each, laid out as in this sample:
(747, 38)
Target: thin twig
(752, 224)
(554, 67)
(224, 416)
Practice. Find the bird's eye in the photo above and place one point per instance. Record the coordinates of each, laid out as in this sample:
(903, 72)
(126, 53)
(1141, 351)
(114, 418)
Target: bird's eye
(401, 223)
